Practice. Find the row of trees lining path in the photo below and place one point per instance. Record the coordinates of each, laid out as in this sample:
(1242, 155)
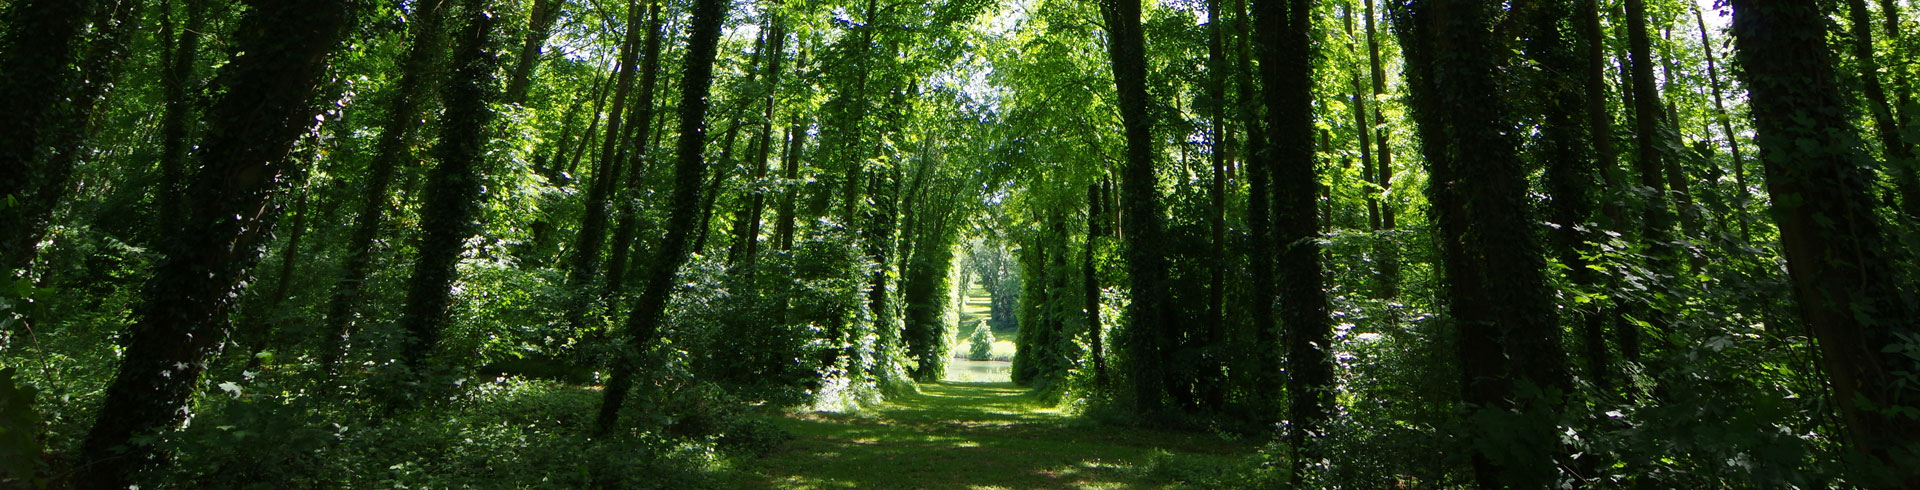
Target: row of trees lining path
(1445, 243)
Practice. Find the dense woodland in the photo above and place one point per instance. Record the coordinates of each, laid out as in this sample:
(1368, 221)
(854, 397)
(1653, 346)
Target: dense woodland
(570, 243)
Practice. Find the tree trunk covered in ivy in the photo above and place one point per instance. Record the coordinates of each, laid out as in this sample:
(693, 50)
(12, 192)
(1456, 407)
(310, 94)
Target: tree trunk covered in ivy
(1285, 39)
(453, 194)
(1152, 333)
(1512, 367)
(391, 150)
(643, 323)
(1839, 260)
(283, 51)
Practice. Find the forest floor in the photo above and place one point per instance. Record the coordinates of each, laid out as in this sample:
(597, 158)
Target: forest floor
(982, 436)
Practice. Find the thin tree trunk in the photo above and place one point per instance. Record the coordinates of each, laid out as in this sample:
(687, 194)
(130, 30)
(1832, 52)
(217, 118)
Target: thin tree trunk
(748, 234)
(584, 266)
(628, 226)
(1266, 338)
(1217, 189)
(1839, 260)
(1888, 128)
(175, 120)
(1387, 249)
(1090, 273)
(390, 152)
(796, 144)
(1742, 197)
(644, 322)
(539, 27)
(182, 314)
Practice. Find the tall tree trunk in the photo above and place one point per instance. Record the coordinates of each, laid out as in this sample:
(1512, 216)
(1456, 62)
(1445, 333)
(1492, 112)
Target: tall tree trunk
(1741, 196)
(1266, 337)
(1286, 70)
(1387, 249)
(1894, 148)
(539, 27)
(643, 323)
(1090, 274)
(282, 52)
(39, 51)
(453, 192)
(257, 331)
(1512, 366)
(1656, 218)
(1592, 42)
(796, 144)
(629, 224)
(1566, 147)
(176, 118)
(584, 266)
(390, 152)
(1217, 185)
(747, 236)
(1839, 260)
(1152, 334)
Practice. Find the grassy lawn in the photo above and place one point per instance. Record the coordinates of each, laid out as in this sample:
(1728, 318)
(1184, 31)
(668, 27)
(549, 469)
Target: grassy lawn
(974, 436)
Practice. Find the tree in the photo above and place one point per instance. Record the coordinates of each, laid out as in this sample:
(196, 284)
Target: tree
(282, 50)
(39, 51)
(1150, 333)
(1838, 258)
(1512, 367)
(1286, 70)
(392, 150)
(643, 323)
(453, 191)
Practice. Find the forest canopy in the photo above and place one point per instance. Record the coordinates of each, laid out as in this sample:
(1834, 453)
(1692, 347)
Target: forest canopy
(666, 243)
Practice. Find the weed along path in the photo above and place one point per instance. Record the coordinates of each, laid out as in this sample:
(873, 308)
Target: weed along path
(980, 436)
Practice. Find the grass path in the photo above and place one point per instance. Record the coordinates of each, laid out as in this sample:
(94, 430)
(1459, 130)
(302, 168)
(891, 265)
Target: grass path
(974, 436)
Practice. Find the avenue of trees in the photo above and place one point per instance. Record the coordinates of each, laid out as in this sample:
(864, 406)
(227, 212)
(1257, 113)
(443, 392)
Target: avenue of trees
(571, 243)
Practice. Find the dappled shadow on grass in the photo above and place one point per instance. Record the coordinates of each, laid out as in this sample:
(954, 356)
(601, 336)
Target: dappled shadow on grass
(971, 436)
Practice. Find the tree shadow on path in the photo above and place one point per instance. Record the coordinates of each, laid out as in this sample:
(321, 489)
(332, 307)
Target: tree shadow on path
(973, 436)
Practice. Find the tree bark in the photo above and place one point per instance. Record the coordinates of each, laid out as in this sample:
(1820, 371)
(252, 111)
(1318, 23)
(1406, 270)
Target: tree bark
(453, 193)
(183, 307)
(1498, 295)
(747, 235)
(1887, 127)
(629, 224)
(539, 27)
(644, 323)
(1657, 220)
(1286, 70)
(175, 119)
(1839, 260)
(39, 51)
(584, 266)
(1152, 334)
(1388, 249)
(1741, 197)
(390, 152)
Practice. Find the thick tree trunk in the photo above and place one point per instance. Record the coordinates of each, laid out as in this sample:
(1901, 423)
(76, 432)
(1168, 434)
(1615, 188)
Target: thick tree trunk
(1839, 259)
(417, 76)
(183, 308)
(1513, 369)
(453, 192)
(1657, 220)
(1286, 70)
(1152, 334)
(38, 52)
(1266, 337)
(643, 324)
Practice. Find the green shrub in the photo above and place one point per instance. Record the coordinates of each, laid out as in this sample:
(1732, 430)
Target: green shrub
(982, 339)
